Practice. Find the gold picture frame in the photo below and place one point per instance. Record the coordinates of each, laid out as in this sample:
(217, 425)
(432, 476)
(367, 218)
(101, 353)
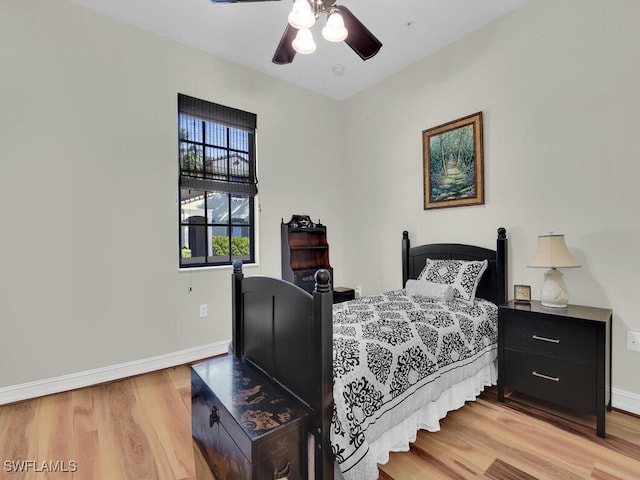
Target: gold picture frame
(453, 163)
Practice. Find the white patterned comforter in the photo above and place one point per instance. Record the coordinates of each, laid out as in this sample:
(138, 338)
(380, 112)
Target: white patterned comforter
(392, 354)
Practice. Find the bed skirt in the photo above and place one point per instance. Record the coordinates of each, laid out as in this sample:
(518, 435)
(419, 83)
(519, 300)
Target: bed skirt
(428, 418)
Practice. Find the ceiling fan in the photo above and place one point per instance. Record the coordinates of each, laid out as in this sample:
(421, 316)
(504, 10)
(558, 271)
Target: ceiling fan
(342, 25)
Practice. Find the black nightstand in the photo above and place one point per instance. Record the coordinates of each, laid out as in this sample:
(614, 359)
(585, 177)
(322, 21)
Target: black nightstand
(342, 294)
(559, 355)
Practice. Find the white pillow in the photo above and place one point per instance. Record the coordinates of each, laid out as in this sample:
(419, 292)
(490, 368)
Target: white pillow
(464, 276)
(433, 291)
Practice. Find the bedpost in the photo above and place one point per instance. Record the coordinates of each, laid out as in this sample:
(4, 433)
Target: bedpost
(236, 306)
(501, 266)
(405, 257)
(323, 375)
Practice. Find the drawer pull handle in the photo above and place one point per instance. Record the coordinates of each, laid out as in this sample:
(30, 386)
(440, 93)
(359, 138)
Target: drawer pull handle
(546, 377)
(545, 339)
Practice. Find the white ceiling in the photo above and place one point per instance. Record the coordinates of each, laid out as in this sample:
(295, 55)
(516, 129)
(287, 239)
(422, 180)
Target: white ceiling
(248, 33)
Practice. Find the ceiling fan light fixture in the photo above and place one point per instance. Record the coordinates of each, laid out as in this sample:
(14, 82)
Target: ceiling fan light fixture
(303, 43)
(334, 30)
(301, 15)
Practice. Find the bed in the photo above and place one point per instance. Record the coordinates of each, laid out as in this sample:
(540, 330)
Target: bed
(374, 370)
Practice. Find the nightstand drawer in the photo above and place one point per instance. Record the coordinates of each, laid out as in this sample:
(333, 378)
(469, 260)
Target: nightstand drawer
(563, 383)
(562, 341)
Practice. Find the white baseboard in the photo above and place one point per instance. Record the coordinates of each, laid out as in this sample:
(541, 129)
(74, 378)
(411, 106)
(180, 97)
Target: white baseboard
(24, 391)
(627, 401)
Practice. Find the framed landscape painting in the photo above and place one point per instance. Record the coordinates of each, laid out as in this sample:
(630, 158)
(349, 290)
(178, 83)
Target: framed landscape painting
(453, 163)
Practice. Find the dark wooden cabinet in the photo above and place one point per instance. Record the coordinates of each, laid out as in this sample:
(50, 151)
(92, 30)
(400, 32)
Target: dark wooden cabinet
(246, 425)
(304, 250)
(559, 355)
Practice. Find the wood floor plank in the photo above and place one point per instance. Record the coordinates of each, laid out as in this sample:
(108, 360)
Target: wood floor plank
(85, 438)
(169, 419)
(460, 463)
(54, 425)
(383, 475)
(109, 459)
(622, 424)
(449, 442)
(581, 449)
(140, 428)
(16, 434)
(415, 465)
(132, 444)
(181, 378)
(547, 445)
(506, 444)
(499, 470)
(614, 472)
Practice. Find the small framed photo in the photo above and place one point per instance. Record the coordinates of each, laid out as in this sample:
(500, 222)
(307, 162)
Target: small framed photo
(522, 294)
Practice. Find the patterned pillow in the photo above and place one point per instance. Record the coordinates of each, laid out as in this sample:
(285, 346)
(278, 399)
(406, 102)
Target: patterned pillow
(463, 275)
(430, 290)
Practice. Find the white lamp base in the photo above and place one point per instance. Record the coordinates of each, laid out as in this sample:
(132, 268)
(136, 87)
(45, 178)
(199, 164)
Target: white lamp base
(554, 292)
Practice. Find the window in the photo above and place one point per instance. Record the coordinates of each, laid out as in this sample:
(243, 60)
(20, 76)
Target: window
(217, 183)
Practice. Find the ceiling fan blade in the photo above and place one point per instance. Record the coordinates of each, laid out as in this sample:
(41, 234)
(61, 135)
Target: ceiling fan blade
(284, 52)
(360, 39)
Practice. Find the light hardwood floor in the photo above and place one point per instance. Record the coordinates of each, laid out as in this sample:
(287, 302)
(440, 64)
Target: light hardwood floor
(140, 428)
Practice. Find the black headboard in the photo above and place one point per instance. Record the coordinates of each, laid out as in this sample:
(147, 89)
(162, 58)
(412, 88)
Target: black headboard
(492, 286)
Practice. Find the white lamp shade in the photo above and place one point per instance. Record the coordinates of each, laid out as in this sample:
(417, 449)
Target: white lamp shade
(334, 30)
(303, 43)
(552, 252)
(301, 15)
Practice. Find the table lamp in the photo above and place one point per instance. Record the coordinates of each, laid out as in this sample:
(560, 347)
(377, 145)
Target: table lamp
(553, 253)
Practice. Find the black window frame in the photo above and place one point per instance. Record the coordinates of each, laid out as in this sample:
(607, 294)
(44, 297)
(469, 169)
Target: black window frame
(202, 182)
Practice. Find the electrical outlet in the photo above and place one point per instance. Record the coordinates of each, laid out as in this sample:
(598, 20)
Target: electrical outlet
(633, 341)
(203, 310)
(358, 291)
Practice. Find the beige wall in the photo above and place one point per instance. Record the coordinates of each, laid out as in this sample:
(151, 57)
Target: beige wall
(88, 171)
(557, 82)
(88, 188)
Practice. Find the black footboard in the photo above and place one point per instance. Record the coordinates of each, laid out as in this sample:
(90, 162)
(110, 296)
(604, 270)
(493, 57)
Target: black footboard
(287, 333)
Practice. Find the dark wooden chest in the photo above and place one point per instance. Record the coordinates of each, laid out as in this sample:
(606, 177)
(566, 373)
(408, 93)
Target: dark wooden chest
(246, 425)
